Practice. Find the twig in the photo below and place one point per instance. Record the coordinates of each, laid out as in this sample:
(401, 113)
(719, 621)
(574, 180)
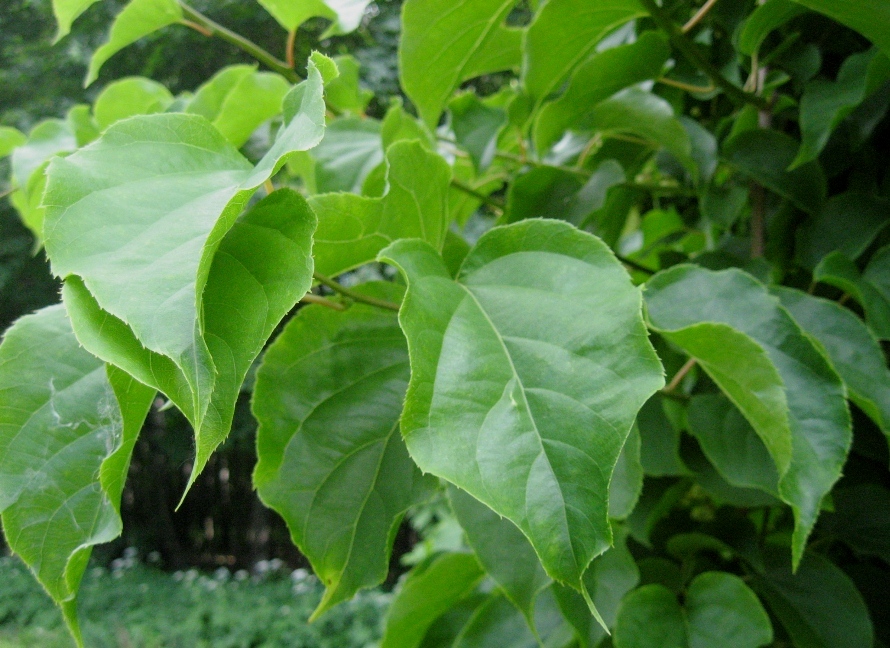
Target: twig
(354, 296)
(309, 298)
(201, 23)
(289, 48)
(691, 52)
(495, 204)
(680, 375)
(688, 87)
(697, 18)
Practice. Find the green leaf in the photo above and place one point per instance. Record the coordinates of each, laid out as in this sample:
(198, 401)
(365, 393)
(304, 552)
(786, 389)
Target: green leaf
(350, 150)
(730, 444)
(659, 441)
(719, 610)
(868, 289)
(825, 104)
(262, 267)
(539, 321)
(346, 15)
(237, 99)
(848, 223)
(139, 18)
(444, 44)
(130, 96)
(345, 93)
(608, 579)
(765, 155)
(10, 138)
(476, 127)
(851, 348)
(66, 12)
(67, 429)
(868, 18)
(353, 229)
(430, 590)
(328, 397)
(496, 624)
(861, 519)
(503, 551)
(647, 115)
(627, 478)
(46, 140)
(400, 125)
(598, 79)
(563, 35)
(759, 356)
(818, 604)
(764, 19)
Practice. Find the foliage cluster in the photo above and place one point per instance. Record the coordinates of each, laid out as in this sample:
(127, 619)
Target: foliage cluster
(592, 196)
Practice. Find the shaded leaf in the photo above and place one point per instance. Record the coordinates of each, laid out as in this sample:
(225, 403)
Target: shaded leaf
(476, 127)
(746, 341)
(848, 223)
(540, 314)
(495, 624)
(868, 18)
(839, 271)
(331, 461)
(764, 19)
(659, 441)
(444, 44)
(67, 429)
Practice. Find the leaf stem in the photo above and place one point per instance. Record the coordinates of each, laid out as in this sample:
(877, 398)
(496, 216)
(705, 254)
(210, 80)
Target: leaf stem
(309, 298)
(289, 48)
(688, 87)
(198, 21)
(691, 52)
(697, 18)
(680, 375)
(495, 204)
(354, 296)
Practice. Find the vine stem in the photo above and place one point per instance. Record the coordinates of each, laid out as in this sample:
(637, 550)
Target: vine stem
(354, 296)
(494, 203)
(699, 15)
(309, 298)
(691, 52)
(289, 48)
(201, 23)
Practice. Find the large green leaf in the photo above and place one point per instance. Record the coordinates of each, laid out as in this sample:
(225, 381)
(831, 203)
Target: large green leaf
(237, 99)
(753, 342)
(139, 18)
(765, 155)
(345, 14)
(66, 12)
(869, 18)
(146, 264)
(431, 589)
(446, 43)
(719, 610)
(352, 229)
(503, 551)
(331, 461)
(596, 80)
(825, 104)
(870, 288)
(852, 349)
(818, 604)
(130, 96)
(513, 393)
(563, 35)
(67, 429)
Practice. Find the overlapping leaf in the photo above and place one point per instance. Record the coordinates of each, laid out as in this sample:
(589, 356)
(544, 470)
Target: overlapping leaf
(352, 229)
(871, 289)
(527, 371)
(130, 96)
(771, 370)
(345, 14)
(444, 44)
(149, 205)
(868, 18)
(67, 428)
(331, 461)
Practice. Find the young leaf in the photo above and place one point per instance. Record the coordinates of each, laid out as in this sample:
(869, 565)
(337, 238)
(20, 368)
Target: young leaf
(430, 590)
(598, 79)
(353, 229)
(345, 14)
(67, 428)
(760, 357)
(331, 461)
(139, 18)
(10, 138)
(130, 96)
(851, 348)
(719, 610)
(66, 12)
(818, 604)
(503, 551)
(513, 393)
(446, 43)
(563, 35)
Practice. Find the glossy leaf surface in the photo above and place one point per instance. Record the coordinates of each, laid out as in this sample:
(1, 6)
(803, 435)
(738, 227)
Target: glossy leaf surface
(328, 398)
(513, 393)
